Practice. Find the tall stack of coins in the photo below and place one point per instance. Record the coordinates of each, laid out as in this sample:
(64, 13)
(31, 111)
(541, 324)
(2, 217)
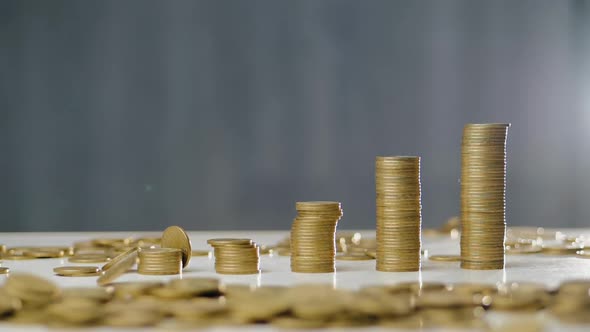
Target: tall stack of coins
(160, 261)
(313, 236)
(399, 213)
(235, 256)
(483, 186)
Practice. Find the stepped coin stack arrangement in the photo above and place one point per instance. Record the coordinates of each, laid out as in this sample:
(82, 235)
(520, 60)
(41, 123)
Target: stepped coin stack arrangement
(236, 256)
(399, 213)
(483, 186)
(160, 261)
(313, 237)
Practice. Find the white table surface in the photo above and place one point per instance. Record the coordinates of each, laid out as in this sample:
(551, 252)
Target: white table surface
(550, 270)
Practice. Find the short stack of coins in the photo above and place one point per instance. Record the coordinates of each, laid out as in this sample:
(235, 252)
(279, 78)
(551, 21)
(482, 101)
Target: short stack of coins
(313, 235)
(399, 213)
(160, 261)
(235, 256)
(483, 186)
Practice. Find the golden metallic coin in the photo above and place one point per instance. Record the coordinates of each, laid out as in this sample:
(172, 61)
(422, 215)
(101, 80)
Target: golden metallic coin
(117, 269)
(176, 237)
(17, 257)
(77, 271)
(200, 253)
(88, 258)
(117, 258)
(561, 249)
(223, 241)
(444, 258)
(354, 257)
(4, 270)
(524, 250)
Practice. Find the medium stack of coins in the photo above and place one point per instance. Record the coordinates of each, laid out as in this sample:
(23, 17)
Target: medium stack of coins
(483, 186)
(399, 213)
(313, 236)
(160, 261)
(235, 256)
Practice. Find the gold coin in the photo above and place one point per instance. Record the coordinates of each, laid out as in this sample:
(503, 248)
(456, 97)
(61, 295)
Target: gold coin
(200, 253)
(77, 271)
(4, 270)
(176, 237)
(17, 257)
(354, 257)
(88, 258)
(445, 258)
(117, 258)
(224, 241)
(523, 250)
(117, 269)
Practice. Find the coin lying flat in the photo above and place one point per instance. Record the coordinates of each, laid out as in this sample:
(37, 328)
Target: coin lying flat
(4, 270)
(445, 258)
(89, 258)
(196, 253)
(77, 271)
(354, 257)
(176, 237)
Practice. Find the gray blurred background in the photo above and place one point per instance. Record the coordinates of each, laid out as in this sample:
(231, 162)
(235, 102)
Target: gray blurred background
(135, 115)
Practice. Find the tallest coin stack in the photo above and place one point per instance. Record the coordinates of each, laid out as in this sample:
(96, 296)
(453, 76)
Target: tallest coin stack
(483, 186)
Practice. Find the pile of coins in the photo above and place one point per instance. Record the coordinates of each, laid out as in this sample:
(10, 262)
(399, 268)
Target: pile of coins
(483, 186)
(399, 213)
(197, 302)
(313, 237)
(235, 256)
(160, 261)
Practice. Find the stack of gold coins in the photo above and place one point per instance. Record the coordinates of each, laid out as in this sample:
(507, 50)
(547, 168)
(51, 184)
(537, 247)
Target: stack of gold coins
(235, 256)
(160, 261)
(313, 236)
(399, 213)
(483, 186)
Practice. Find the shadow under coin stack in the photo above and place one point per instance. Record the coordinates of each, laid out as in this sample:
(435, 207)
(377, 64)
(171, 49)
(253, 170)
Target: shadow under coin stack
(399, 213)
(160, 261)
(483, 186)
(235, 256)
(313, 236)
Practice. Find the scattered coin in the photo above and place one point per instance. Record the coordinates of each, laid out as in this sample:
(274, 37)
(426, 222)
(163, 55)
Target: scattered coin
(77, 271)
(196, 253)
(89, 258)
(4, 270)
(445, 258)
(354, 257)
(561, 249)
(176, 237)
(523, 250)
